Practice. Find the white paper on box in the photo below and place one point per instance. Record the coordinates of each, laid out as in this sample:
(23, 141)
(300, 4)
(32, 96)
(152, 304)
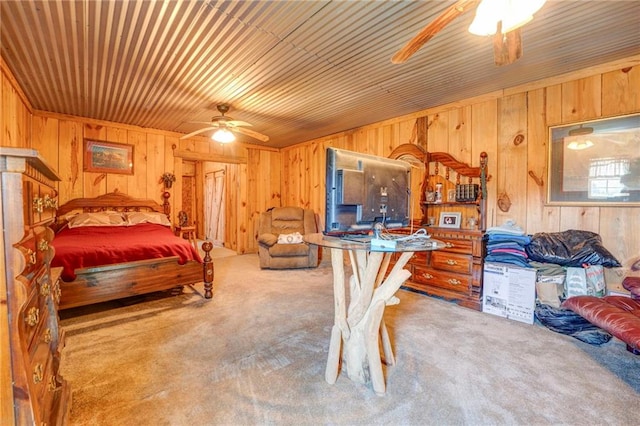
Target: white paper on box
(509, 291)
(496, 289)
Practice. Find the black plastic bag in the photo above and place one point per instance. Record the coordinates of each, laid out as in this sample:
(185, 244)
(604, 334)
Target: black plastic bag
(570, 248)
(566, 321)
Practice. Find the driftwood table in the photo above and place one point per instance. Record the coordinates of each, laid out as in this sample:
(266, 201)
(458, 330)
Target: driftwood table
(356, 328)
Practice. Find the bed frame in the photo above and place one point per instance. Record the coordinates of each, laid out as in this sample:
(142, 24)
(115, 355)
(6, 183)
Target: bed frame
(103, 283)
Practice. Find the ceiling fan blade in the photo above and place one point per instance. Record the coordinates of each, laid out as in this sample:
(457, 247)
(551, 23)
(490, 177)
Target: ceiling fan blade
(197, 132)
(434, 27)
(236, 123)
(507, 48)
(251, 133)
(210, 123)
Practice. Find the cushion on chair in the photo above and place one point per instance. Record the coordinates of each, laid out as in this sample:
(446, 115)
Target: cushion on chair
(294, 238)
(619, 315)
(287, 220)
(287, 250)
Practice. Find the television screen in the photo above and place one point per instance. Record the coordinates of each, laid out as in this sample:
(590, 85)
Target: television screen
(362, 190)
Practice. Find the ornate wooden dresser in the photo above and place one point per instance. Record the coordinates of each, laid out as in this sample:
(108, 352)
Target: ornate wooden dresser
(32, 390)
(450, 189)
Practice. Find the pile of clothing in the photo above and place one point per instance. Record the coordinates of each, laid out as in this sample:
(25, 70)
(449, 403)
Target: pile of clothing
(506, 244)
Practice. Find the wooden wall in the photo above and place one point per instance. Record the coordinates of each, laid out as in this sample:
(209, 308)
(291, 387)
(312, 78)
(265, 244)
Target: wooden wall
(260, 178)
(512, 127)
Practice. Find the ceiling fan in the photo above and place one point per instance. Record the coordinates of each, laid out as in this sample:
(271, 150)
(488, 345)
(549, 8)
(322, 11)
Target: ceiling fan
(224, 127)
(500, 18)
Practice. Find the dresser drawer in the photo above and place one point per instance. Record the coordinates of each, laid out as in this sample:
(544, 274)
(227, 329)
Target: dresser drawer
(454, 245)
(41, 374)
(31, 318)
(433, 277)
(40, 202)
(451, 262)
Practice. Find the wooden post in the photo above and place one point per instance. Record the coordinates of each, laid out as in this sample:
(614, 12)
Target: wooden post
(207, 246)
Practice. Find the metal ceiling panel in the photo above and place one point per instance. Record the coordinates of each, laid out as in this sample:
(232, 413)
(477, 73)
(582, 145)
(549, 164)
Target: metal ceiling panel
(296, 70)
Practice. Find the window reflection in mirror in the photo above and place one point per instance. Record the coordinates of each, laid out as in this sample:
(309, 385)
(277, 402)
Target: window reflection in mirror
(595, 162)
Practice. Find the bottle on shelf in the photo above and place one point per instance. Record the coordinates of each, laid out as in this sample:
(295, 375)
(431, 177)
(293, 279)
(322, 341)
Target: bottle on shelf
(438, 193)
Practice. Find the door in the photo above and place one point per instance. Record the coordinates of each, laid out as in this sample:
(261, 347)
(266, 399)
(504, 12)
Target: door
(214, 206)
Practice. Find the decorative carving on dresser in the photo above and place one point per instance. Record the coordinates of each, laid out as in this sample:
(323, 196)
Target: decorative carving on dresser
(31, 338)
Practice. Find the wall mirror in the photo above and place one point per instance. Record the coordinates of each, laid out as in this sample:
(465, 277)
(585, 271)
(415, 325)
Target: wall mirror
(595, 162)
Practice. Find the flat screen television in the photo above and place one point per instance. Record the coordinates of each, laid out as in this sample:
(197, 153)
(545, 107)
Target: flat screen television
(362, 190)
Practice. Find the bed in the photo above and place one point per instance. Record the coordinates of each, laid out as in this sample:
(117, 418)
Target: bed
(115, 246)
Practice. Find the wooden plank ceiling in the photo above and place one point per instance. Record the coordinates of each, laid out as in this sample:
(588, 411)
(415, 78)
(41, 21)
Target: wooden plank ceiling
(296, 70)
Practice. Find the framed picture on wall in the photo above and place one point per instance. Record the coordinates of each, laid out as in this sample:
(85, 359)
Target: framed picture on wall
(595, 162)
(450, 220)
(108, 157)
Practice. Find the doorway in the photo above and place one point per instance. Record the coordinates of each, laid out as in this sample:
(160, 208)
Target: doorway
(214, 206)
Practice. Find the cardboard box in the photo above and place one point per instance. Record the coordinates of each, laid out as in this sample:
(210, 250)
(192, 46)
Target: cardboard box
(509, 291)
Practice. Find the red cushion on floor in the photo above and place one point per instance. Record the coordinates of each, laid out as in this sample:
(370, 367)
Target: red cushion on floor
(618, 315)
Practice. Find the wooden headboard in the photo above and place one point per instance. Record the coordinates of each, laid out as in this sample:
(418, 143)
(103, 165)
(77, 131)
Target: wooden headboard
(115, 201)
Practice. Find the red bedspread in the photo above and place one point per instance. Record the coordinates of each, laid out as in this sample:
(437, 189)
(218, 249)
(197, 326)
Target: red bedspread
(104, 245)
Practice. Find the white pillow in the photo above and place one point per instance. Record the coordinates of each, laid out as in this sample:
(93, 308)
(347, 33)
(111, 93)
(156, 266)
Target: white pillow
(295, 238)
(135, 218)
(107, 218)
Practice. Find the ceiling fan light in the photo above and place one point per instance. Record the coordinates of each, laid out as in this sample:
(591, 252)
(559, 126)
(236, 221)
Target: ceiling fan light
(514, 21)
(223, 136)
(486, 20)
(512, 13)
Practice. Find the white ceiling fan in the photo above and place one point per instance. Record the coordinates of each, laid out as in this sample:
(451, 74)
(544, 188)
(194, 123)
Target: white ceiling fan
(225, 126)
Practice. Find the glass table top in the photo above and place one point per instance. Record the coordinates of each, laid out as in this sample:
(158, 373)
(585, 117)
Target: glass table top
(396, 243)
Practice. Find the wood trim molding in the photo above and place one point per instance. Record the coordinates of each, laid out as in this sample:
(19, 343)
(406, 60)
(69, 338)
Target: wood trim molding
(202, 156)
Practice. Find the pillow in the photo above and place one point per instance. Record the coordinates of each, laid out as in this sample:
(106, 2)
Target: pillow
(135, 218)
(107, 218)
(295, 238)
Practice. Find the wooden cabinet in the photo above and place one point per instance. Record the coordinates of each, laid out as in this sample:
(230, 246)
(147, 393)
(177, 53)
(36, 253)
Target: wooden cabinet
(32, 391)
(455, 272)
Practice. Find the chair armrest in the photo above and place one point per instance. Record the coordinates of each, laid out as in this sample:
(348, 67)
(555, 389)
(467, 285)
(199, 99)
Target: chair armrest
(267, 239)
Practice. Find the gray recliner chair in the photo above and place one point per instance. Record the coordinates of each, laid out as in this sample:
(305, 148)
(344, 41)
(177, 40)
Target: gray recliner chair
(281, 223)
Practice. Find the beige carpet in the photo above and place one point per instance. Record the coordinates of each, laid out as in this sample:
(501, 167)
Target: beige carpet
(256, 352)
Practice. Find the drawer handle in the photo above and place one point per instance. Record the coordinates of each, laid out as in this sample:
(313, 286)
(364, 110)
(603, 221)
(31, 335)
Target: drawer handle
(427, 276)
(43, 245)
(449, 245)
(38, 205)
(53, 384)
(47, 337)
(56, 293)
(45, 289)
(451, 262)
(31, 256)
(32, 317)
(50, 203)
(453, 281)
(37, 374)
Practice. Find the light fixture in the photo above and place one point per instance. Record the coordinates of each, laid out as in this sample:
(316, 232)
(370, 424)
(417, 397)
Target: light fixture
(511, 13)
(578, 145)
(223, 135)
(579, 138)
